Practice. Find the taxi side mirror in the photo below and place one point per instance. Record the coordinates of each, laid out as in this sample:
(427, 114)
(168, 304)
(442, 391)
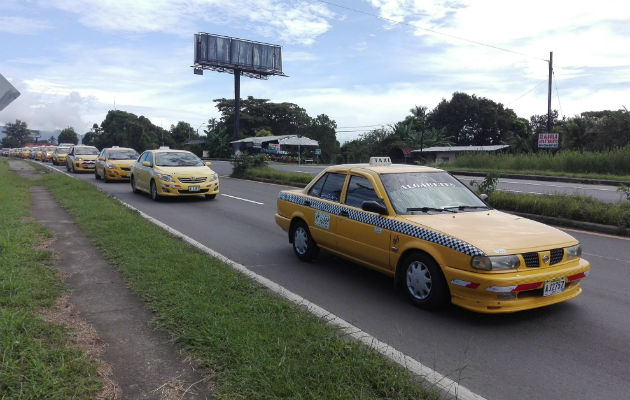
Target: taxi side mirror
(208, 163)
(374, 206)
(483, 196)
(101, 159)
(146, 164)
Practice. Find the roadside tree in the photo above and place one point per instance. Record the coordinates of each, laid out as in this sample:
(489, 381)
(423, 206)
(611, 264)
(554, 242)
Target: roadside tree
(68, 135)
(16, 134)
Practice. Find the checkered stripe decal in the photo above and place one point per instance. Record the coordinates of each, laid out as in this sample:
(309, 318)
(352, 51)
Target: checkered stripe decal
(386, 223)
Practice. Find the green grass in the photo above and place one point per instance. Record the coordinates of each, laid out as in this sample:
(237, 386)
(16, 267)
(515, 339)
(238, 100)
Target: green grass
(607, 177)
(575, 208)
(614, 164)
(257, 346)
(277, 176)
(36, 361)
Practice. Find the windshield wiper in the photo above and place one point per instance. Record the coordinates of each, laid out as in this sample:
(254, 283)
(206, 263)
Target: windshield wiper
(464, 207)
(426, 209)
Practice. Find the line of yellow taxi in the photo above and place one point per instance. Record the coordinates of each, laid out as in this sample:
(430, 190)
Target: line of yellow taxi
(439, 241)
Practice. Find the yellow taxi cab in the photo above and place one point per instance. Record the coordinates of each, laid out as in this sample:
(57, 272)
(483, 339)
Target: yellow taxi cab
(81, 158)
(48, 152)
(166, 172)
(26, 152)
(59, 155)
(437, 239)
(114, 163)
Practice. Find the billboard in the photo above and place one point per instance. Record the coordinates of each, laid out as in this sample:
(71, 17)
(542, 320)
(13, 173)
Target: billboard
(7, 92)
(227, 54)
(548, 140)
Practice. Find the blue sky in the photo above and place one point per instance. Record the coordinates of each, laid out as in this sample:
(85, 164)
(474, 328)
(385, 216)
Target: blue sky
(364, 63)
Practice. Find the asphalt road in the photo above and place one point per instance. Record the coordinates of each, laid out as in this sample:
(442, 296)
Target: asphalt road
(605, 193)
(574, 350)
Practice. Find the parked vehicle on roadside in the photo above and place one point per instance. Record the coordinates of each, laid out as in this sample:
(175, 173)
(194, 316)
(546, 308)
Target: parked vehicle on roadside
(165, 172)
(437, 239)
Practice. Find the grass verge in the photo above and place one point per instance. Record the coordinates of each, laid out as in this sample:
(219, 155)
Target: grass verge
(602, 177)
(576, 208)
(36, 360)
(257, 346)
(276, 176)
(614, 162)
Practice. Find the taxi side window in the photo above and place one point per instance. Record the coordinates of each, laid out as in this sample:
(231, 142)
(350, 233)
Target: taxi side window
(150, 158)
(359, 190)
(103, 154)
(328, 187)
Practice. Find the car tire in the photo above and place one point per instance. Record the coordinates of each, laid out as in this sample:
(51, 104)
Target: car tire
(423, 282)
(96, 175)
(105, 176)
(154, 194)
(210, 196)
(67, 167)
(133, 185)
(304, 246)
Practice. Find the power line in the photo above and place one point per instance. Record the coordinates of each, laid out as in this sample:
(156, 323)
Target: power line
(527, 92)
(557, 93)
(433, 31)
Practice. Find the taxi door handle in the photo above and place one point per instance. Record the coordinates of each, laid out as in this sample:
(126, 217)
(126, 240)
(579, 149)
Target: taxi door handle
(343, 213)
(307, 203)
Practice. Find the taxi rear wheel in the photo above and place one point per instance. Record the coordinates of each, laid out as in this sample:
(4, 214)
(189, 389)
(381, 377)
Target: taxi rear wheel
(154, 194)
(303, 244)
(96, 175)
(423, 282)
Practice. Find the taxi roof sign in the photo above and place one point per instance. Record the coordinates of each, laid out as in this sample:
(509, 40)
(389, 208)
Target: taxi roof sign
(380, 161)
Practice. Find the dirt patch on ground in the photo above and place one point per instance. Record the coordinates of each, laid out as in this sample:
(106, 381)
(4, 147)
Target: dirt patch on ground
(83, 336)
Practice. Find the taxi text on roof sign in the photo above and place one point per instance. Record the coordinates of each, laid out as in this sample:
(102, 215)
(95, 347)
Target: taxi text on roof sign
(375, 161)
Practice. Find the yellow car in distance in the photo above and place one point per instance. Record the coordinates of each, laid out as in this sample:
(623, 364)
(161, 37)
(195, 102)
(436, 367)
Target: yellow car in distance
(166, 172)
(59, 155)
(439, 241)
(81, 158)
(114, 163)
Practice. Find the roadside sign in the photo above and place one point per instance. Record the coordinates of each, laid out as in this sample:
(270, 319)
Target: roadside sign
(318, 151)
(548, 140)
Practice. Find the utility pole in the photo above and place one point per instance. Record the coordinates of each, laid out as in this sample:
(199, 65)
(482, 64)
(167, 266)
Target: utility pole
(549, 92)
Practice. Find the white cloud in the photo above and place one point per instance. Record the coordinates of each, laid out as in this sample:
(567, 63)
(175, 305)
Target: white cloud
(22, 26)
(290, 21)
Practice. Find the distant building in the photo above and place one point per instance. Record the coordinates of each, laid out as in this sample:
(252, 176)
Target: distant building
(284, 144)
(449, 153)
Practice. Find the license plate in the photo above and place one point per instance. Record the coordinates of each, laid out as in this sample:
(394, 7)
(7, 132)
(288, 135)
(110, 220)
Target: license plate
(193, 188)
(554, 286)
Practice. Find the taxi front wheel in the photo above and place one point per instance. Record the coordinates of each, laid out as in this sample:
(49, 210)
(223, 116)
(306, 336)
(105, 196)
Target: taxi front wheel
(154, 194)
(423, 282)
(303, 244)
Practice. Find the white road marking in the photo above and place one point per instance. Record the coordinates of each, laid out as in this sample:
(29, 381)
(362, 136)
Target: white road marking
(242, 199)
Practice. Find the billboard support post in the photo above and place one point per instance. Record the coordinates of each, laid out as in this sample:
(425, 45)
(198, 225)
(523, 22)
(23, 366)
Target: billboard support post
(237, 102)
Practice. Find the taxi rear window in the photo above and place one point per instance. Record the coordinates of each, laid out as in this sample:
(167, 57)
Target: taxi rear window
(328, 186)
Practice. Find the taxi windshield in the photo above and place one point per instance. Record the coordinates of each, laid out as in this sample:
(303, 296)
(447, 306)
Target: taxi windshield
(177, 159)
(123, 155)
(424, 192)
(63, 150)
(86, 151)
